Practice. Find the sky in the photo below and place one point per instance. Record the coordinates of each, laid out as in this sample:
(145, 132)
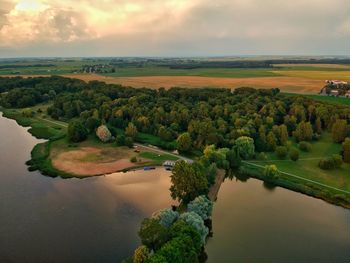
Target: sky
(75, 28)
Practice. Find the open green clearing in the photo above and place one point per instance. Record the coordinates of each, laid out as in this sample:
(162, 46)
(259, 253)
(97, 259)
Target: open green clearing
(307, 165)
(328, 99)
(157, 157)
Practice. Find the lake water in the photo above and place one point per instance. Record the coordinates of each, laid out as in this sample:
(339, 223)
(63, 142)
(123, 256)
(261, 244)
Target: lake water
(253, 222)
(45, 219)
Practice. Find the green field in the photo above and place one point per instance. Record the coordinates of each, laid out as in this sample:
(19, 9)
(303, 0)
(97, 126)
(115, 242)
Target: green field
(157, 157)
(328, 99)
(307, 165)
(213, 72)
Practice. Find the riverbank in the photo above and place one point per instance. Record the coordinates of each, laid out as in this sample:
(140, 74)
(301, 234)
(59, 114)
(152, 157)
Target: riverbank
(58, 157)
(309, 188)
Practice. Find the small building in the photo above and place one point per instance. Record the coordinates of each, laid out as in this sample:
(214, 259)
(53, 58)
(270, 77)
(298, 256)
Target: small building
(168, 165)
(334, 92)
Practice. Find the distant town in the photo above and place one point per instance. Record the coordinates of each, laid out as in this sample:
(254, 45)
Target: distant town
(336, 88)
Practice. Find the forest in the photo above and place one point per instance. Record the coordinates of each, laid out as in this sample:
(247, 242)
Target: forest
(209, 116)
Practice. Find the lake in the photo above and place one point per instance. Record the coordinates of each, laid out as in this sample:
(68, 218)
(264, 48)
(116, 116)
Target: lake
(96, 219)
(45, 219)
(255, 222)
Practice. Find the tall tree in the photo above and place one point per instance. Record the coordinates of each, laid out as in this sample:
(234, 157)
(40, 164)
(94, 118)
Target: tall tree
(187, 182)
(339, 131)
(184, 142)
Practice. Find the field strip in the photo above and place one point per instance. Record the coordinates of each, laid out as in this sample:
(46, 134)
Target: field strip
(302, 159)
(57, 123)
(302, 178)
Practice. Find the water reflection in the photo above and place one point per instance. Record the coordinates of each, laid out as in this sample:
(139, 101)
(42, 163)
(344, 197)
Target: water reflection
(253, 224)
(45, 219)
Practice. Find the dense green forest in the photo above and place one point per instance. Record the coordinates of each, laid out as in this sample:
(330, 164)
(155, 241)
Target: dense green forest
(208, 116)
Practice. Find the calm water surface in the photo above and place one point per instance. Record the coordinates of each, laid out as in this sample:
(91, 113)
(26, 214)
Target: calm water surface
(45, 219)
(256, 223)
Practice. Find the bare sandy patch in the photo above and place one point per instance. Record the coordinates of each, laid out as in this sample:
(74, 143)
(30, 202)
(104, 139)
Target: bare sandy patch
(89, 161)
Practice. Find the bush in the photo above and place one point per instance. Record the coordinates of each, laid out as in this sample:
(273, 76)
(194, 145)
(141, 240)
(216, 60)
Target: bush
(338, 160)
(331, 162)
(326, 164)
(305, 146)
(281, 152)
(271, 171)
(294, 154)
(262, 156)
(133, 159)
(129, 142)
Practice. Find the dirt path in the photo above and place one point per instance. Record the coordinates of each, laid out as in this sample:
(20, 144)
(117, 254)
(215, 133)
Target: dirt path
(214, 189)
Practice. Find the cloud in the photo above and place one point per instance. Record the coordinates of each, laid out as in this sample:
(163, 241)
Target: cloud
(174, 27)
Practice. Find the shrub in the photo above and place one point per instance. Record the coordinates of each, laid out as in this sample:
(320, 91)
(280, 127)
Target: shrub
(166, 216)
(129, 142)
(201, 206)
(338, 160)
(281, 152)
(133, 159)
(326, 164)
(271, 171)
(294, 154)
(262, 156)
(305, 146)
(331, 162)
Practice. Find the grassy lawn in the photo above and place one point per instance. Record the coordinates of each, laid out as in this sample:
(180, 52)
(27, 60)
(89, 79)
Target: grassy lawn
(307, 166)
(328, 99)
(157, 157)
(206, 72)
(40, 128)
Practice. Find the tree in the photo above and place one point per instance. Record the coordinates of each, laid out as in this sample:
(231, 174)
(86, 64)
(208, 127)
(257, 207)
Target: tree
(281, 152)
(346, 150)
(76, 131)
(303, 132)
(152, 233)
(233, 158)
(271, 171)
(103, 133)
(294, 154)
(202, 206)
(283, 134)
(129, 142)
(305, 146)
(245, 147)
(184, 142)
(131, 131)
(339, 131)
(141, 255)
(166, 216)
(194, 220)
(271, 141)
(187, 182)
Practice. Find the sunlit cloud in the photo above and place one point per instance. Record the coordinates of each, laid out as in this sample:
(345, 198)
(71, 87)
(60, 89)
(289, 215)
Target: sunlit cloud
(160, 27)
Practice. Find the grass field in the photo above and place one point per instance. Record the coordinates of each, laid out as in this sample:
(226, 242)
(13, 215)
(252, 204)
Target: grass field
(328, 99)
(307, 165)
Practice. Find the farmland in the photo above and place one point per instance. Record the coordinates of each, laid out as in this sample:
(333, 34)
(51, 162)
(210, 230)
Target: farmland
(288, 75)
